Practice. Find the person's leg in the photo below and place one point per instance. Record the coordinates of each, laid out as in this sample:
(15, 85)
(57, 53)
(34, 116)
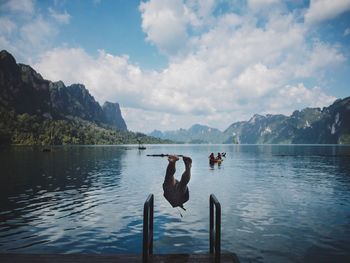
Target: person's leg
(170, 171)
(186, 176)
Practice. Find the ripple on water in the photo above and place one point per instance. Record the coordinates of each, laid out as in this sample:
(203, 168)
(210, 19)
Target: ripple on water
(90, 200)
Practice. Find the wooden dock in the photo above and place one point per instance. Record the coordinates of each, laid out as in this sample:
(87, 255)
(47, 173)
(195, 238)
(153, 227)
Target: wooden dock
(119, 258)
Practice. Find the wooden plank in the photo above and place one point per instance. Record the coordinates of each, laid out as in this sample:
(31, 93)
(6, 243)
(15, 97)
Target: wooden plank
(68, 258)
(195, 258)
(128, 258)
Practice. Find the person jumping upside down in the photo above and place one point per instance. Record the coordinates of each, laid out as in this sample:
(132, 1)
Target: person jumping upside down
(176, 192)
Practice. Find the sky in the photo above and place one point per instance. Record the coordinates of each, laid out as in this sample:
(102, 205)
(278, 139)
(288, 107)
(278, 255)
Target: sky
(174, 63)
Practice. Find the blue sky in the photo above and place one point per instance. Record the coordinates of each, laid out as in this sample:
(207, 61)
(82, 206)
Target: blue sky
(173, 63)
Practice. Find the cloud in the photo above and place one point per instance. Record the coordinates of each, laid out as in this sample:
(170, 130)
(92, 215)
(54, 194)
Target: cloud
(347, 31)
(165, 23)
(26, 31)
(216, 97)
(321, 10)
(6, 26)
(62, 18)
(291, 98)
(320, 56)
(22, 6)
(222, 68)
(37, 32)
(259, 5)
(107, 77)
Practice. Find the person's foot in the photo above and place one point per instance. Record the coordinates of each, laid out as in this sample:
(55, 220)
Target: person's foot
(187, 161)
(173, 158)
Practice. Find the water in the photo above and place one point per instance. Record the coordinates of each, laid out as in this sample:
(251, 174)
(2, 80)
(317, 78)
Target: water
(279, 203)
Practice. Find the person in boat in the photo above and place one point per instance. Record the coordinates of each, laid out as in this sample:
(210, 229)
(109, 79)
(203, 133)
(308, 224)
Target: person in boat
(212, 158)
(176, 192)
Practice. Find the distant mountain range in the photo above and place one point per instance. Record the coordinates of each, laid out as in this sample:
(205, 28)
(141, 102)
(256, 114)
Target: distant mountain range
(34, 110)
(330, 125)
(38, 111)
(195, 134)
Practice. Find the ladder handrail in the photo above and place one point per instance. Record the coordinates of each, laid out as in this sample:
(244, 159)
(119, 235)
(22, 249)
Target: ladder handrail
(215, 243)
(148, 227)
(214, 233)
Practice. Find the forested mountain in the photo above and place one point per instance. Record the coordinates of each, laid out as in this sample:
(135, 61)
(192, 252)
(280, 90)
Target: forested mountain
(195, 134)
(330, 125)
(37, 111)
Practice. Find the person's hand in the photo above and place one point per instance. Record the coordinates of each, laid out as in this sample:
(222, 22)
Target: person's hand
(173, 158)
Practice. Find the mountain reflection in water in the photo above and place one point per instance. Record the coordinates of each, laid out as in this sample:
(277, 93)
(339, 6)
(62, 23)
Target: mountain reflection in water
(279, 203)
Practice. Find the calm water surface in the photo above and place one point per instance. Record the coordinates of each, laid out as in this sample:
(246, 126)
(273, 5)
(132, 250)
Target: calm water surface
(279, 203)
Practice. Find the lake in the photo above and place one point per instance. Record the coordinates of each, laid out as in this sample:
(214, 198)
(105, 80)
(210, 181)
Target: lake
(280, 203)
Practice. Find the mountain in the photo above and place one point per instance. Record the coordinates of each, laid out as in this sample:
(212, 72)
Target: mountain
(259, 129)
(38, 111)
(195, 134)
(330, 125)
(113, 115)
(23, 90)
(74, 100)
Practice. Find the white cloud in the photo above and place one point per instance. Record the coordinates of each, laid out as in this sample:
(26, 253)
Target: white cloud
(165, 23)
(231, 68)
(6, 26)
(257, 81)
(347, 31)
(22, 6)
(155, 119)
(62, 18)
(188, 91)
(258, 5)
(107, 77)
(321, 56)
(37, 32)
(26, 30)
(321, 10)
(290, 98)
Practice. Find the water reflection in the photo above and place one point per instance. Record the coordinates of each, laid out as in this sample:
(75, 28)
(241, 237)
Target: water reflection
(50, 197)
(279, 203)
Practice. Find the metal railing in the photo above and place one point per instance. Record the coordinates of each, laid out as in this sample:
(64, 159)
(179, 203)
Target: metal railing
(214, 234)
(148, 228)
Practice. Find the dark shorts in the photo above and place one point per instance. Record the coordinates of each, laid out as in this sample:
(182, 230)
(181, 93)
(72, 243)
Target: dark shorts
(175, 195)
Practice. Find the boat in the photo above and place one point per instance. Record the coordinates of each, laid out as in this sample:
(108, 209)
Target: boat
(216, 160)
(141, 146)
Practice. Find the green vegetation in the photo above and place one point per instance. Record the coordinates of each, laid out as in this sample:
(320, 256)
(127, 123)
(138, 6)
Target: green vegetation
(235, 139)
(344, 139)
(28, 129)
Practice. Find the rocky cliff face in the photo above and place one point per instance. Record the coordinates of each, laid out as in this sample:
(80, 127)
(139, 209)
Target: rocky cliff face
(113, 115)
(23, 90)
(331, 125)
(75, 100)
